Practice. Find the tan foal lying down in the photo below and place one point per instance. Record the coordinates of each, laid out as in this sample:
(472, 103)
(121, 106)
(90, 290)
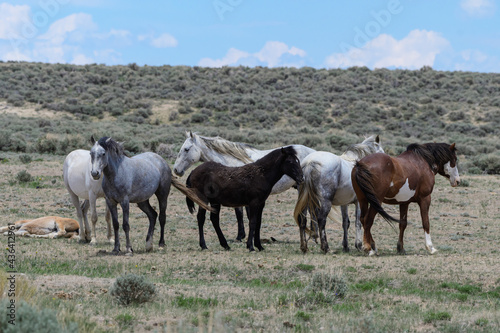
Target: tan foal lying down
(45, 227)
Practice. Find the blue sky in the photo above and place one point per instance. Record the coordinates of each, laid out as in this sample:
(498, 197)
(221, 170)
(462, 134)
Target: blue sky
(446, 35)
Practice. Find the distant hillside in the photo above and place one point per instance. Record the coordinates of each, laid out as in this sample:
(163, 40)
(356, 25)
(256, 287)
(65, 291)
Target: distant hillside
(324, 109)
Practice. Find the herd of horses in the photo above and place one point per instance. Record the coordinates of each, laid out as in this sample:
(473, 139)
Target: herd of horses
(238, 175)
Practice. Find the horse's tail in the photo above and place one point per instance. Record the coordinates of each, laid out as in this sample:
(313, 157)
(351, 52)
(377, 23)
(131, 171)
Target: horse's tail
(308, 195)
(191, 194)
(364, 180)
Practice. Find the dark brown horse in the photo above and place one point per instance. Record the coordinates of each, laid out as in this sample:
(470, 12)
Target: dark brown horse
(248, 185)
(402, 180)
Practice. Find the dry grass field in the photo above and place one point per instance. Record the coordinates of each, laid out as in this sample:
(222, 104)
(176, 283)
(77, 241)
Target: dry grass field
(455, 290)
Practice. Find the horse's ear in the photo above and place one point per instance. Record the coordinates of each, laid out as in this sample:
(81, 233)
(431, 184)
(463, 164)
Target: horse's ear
(377, 139)
(452, 147)
(109, 139)
(283, 150)
(92, 140)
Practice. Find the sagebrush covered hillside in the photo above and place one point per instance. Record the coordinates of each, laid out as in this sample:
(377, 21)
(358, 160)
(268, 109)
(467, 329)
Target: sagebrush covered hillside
(325, 109)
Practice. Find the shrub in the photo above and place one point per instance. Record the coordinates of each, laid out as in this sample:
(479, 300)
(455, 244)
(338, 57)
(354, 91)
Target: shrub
(324, 289)
(25, 159)
(30, 319)
(24, 176)
(132, 289)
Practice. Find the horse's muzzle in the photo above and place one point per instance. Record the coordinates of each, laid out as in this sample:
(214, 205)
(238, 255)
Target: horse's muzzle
(95, 175)
(178, 173)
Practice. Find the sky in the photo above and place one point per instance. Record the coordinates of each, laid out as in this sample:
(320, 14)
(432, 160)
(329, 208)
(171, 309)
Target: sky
(460, 35)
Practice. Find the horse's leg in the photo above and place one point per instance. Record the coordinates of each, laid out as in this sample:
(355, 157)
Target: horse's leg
(110, 226)
(214, 217)
(322, 214)
(251, 228)
(93, 216)
(241, 225)
(163, 219)
(345, 225)
(403, 217)
(85, 208)
(113, 210)
(359, 228)
(368, 242)
(425, 204)
(126, 226)
(152, 215)
(201, 222)
(257, 227)
(302, 231)
(79, 215)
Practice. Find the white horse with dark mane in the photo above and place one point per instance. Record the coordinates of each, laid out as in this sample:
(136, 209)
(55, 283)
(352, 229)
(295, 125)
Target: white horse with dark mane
(198, 148)
(328, 183)
(79, 183)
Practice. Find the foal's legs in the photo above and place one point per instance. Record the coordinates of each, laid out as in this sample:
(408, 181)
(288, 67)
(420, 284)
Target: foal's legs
(241, 225)
(403, 217)
(152, 215)
(424, 213)
(345, 225)
(214, 217)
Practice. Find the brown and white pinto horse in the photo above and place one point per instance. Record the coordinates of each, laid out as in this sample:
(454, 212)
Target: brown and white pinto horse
(401, 180)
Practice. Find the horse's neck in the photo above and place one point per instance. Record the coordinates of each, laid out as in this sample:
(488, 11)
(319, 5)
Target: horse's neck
(272, 169)
(111, 170)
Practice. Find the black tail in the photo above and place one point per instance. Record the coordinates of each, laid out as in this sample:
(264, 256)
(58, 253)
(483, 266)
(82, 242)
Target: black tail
(364, 179)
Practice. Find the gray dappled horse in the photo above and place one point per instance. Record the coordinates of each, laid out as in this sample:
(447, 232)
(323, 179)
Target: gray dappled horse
(134, 180)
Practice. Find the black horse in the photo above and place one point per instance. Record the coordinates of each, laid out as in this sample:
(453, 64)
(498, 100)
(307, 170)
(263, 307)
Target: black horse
(248, 185)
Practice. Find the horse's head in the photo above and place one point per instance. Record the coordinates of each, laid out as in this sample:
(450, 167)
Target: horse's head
(450, 168)
(189, 154)
(98, 156)
(291, 165)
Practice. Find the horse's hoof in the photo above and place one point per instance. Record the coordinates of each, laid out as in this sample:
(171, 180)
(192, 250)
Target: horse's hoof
(260, 248)
(116, 252)
(346, 249)
(93, 242)
(431, 249)
(372, 253)
(359, 246)
(204, 248)
(129, 254)
(227, 248)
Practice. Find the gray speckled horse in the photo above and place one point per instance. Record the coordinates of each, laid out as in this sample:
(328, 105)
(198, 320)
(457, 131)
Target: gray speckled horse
(328, 183)
(134, 180)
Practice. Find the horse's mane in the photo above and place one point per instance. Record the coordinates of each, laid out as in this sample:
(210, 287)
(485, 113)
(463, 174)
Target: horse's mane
(433, 153)
(226, 147)
(111, 146)
(274, 156)
(359, 150)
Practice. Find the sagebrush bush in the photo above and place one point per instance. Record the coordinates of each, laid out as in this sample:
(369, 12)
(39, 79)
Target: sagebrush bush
(324, 288)
(25, 159)
(24, 176)
(29, 319)
(132, 289)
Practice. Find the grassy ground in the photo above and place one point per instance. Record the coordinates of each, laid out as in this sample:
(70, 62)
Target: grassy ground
(458, 289)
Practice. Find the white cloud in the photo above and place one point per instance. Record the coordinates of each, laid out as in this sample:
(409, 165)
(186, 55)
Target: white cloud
(232, 57)
(272, 54)
(81, 59)
(13, 19)
(478, 8)
(164, 40)
(75, 26)
(414, 51)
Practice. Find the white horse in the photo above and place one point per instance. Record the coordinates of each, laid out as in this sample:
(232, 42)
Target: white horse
(198, 148)
(328, 183)
(80, 184)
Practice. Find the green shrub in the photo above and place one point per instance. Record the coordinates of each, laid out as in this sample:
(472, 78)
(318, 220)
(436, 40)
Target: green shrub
(30, 319)
(132, 289)
(324, 289)
(24, 176)
(432, 316)
(25, 159)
